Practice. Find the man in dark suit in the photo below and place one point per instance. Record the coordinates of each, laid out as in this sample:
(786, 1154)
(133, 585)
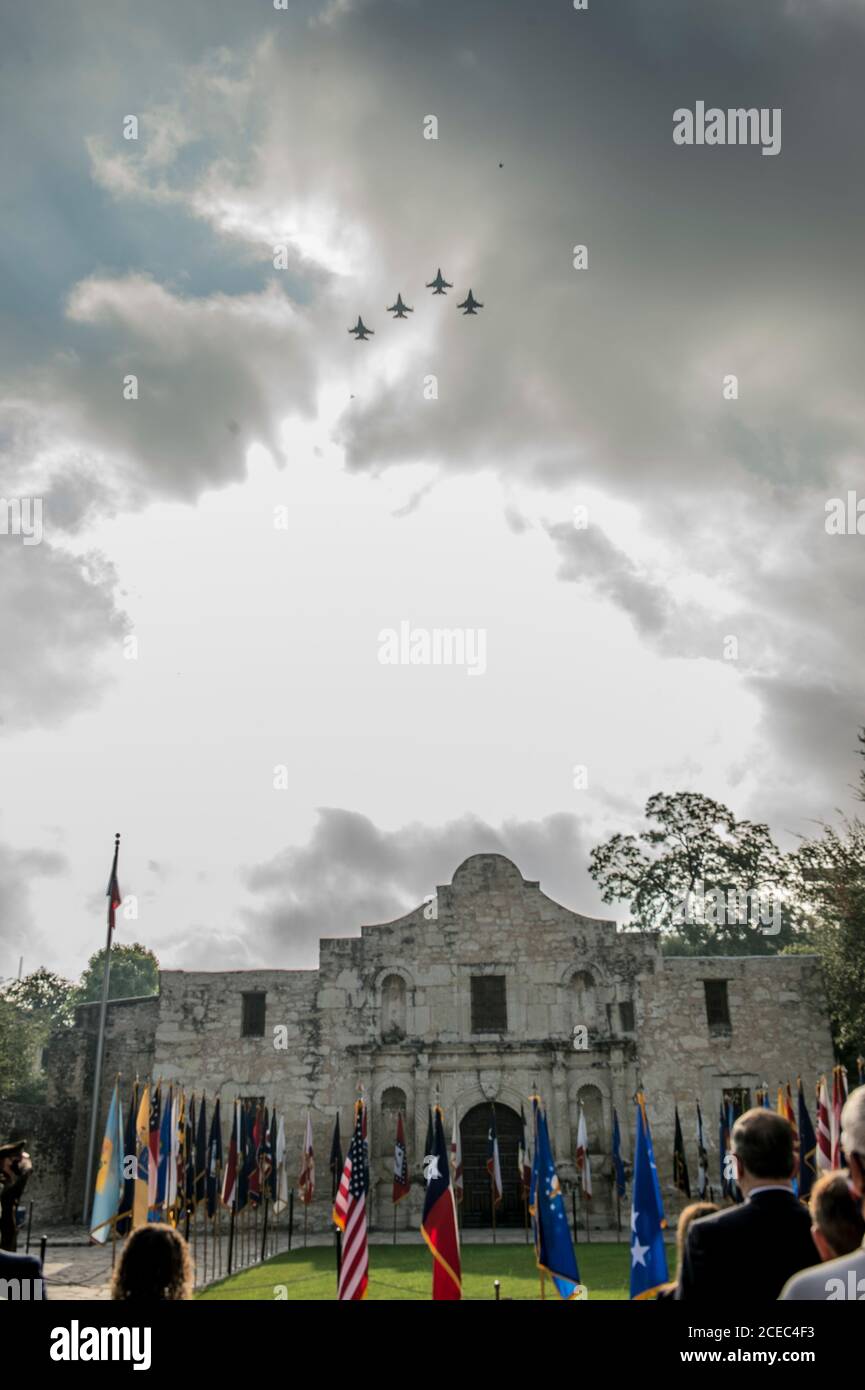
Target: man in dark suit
(20, 1277)
(15, 1169)
(747, 1253)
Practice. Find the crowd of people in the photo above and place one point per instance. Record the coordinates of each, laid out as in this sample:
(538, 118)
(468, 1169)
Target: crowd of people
(771, 1245)
(768, 1246)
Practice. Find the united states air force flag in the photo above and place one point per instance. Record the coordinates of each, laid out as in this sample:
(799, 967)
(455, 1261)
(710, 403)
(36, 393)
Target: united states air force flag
(554, 1249)
(648, 1256)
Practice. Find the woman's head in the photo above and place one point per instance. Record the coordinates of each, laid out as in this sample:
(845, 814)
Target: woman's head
(154, 1265)
(686, 1216)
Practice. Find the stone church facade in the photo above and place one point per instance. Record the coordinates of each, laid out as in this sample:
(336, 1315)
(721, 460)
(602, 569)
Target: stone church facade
(471, 999)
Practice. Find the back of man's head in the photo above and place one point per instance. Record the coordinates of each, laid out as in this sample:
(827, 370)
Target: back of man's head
(763, 1144)
(853, 1136)
(838, 1223)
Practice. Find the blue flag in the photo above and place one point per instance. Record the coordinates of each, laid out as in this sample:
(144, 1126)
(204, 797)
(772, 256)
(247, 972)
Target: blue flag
(109, 1179)
(554, 1249)
(618, 1165)
(648, 1255)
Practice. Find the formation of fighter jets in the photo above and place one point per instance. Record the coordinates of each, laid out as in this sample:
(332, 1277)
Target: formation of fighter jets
(401, 310)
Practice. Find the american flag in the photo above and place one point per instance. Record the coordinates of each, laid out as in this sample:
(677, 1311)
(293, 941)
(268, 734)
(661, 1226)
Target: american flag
(349, 1213)
(824, 1129)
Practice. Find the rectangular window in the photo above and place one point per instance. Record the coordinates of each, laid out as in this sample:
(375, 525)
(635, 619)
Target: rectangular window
(626, 1016)
(489, 1004)
(717, 1005)
(252, 1018)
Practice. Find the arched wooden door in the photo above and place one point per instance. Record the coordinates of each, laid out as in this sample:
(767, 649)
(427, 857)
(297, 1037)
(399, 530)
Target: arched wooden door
(474, 1134)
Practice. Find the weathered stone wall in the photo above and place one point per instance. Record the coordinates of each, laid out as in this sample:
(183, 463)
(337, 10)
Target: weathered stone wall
(391, 1010)
(49, 1131)
(778, 1030)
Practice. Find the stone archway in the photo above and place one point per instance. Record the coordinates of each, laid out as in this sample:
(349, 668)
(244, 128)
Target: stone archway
(474, 1137)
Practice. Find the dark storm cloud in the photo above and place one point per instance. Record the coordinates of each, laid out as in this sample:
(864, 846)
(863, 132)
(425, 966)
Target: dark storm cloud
(352, 872)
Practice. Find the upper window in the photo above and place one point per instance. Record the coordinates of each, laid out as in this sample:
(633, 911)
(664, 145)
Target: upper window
(489, 1004)
(717, 1004)
(626, 1016)
(252, 1018)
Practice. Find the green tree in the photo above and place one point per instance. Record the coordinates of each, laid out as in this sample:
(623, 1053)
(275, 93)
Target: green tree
(830, 873)
(30, 1010)
(134, 971)
(711, 884)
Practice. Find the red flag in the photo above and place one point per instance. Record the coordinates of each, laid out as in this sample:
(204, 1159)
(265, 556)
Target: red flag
(349, 1214)
(401, 1184)
(306, 1181)
(839, 1095)
(824, 1129)
(439, 1222)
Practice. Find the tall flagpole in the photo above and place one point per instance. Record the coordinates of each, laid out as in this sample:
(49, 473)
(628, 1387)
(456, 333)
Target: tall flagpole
(100, 1043)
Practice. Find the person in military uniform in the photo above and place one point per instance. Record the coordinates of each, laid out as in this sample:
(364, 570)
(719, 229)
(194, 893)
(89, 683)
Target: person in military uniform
(15, 1170)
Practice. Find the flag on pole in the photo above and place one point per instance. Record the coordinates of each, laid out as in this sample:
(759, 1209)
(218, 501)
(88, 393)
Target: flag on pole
(112, 892)
(129, 1167)
(439, 1220)
(584, 1163)
(349, 1213)
(281, 1199)
(336, 1158)
(401, 1184)
(554, 1248)
(456, 1159)
(214, 1160)
(494, 1167)
(727, 1184)
(200, 1189)
(172, 1157)
(229, 1180)
(306, 1181)
(680, 1162)
(807, 1146)
(153, 1144)
(824, 1128)
(164, 1151)
(141, 1196)
(524, 1162)
(254, 1157)
(839, 1095)
(109, 1182)
(648, 1256)
(618, 1165)
(702, 1158)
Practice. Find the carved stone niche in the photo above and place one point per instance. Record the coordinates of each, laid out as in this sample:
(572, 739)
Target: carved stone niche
(490, 1083)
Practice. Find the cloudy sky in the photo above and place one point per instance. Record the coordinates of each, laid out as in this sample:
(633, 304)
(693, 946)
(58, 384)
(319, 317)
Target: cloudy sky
(191, 655)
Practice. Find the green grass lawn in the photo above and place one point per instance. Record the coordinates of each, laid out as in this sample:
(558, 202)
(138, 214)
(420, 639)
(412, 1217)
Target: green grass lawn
(404, 1271)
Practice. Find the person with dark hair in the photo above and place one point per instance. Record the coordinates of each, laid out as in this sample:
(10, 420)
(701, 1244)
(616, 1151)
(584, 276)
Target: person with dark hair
(747, 1253)
(155, 1266)
(844, 1277)
(15, 1170)
(695, 1211)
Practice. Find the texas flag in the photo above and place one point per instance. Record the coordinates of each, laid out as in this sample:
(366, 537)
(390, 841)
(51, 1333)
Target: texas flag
(439, 1222)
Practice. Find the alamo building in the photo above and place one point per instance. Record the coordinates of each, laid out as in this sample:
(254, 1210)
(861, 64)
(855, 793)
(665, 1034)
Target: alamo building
(470, 999)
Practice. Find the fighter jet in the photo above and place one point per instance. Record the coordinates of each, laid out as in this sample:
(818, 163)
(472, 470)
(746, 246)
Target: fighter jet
(470, 304)
(360, 331)
(439, 285)
(399, 310)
